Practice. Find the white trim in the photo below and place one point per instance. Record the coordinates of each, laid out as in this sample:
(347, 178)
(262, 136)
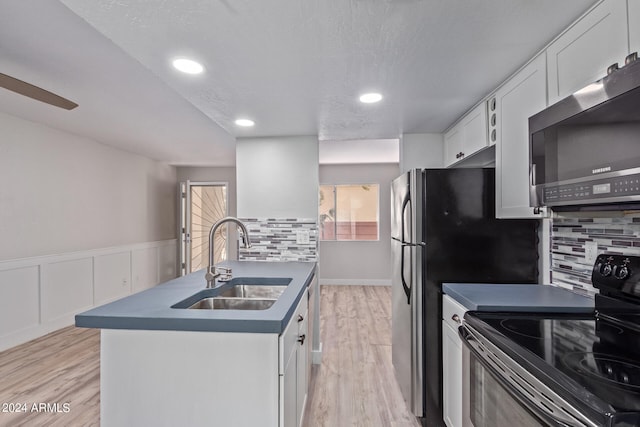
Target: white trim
(20, 333)
(316, 356)
(356, 282)
(70, 256)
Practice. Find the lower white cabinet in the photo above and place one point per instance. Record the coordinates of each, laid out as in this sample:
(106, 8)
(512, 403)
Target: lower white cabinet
(452, 314)
(294, 377)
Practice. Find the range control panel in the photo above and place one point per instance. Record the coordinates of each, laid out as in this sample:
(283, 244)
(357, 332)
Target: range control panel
(618, 272)
(622, 188)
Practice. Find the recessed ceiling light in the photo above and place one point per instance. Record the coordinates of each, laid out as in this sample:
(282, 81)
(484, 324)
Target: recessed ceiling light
(245, 123)
(188, 66)
(370, 98)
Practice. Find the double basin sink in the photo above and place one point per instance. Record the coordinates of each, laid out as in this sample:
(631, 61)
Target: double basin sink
(241, 293)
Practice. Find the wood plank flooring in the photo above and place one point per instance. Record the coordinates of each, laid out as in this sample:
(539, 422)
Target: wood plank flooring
(354, 385)
(57, 369)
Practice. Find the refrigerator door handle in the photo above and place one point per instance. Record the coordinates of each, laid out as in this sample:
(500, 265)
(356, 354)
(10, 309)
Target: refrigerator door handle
(407, 289)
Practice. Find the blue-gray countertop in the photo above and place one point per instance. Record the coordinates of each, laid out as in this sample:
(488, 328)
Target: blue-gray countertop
(517, 298)
(151, 309)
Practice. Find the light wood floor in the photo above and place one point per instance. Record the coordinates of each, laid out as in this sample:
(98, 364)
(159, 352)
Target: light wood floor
(354, 385)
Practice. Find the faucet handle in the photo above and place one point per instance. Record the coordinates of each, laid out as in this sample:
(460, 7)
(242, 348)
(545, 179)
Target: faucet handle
(224, 274)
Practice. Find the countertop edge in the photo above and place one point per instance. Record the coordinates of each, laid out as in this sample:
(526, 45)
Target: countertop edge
(122, 314)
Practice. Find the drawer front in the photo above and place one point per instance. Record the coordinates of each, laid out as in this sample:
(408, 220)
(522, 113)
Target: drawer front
(452, 310)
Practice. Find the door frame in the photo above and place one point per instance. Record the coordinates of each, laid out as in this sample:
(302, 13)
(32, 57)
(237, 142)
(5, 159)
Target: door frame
(184, 220)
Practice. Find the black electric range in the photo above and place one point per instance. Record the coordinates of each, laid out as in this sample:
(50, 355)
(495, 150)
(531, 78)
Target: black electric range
(568, 369)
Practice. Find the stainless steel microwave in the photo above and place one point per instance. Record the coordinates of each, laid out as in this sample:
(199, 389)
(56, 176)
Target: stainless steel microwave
(585, 149)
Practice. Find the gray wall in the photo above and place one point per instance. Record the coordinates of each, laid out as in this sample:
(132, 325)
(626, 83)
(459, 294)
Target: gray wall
(62, 192)
(277, 177)
(360, 262)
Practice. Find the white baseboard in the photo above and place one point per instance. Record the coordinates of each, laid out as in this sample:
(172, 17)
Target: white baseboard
(357, 282)
(316, 356)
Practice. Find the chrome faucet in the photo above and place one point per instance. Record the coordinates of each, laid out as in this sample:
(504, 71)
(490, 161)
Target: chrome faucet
(223, 273)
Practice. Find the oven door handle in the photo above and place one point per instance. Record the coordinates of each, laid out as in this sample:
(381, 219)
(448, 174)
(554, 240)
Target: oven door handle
(521, 390)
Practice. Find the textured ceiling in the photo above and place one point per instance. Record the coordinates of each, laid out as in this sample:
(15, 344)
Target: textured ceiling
(295, 67)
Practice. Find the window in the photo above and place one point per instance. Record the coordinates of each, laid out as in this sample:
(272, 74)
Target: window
(349, 212)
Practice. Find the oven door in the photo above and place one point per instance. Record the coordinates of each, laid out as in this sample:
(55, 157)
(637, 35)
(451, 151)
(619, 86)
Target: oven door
(497, 392)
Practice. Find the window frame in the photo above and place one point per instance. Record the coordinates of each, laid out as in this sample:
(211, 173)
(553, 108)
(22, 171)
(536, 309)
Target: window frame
(373, 185)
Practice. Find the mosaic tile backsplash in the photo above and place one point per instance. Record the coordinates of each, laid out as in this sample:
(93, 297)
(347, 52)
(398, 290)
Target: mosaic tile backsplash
(281, 239)
(617, 233)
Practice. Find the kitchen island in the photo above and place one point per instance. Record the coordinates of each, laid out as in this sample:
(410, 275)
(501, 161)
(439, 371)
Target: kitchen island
(164, 364)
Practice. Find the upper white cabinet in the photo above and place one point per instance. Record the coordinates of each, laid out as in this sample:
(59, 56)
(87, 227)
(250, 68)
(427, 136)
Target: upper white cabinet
(452, 145)
(519, 98)
(467, 137)
(583, 53)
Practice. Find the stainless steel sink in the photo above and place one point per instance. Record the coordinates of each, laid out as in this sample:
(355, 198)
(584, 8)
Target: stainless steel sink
(253, 291)
(241, 293)
(218, 303)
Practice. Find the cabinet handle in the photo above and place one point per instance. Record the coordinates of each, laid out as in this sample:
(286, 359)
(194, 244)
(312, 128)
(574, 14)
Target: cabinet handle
(301, 338)
(456, 319)
(300, 318)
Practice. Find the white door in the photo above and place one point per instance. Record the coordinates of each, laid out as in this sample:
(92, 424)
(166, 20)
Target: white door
(201, 205)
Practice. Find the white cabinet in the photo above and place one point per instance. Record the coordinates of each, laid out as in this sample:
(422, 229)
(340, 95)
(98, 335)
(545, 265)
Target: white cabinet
(453, 145)
(452, 314)
(518, 99)
(582, 54)
(294, 366)
(467, 137)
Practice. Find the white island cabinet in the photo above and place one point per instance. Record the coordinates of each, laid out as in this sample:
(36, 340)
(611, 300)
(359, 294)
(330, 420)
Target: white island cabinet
(192, 378)
(452, 314)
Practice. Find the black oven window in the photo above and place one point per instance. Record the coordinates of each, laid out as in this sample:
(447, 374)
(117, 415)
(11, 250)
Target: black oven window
(491, 405)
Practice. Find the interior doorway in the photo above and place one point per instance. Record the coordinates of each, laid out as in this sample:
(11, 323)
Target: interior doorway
(201, 205)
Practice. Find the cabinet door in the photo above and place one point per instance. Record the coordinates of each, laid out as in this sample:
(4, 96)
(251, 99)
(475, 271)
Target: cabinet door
(516, 101)
(452, 314)
(451, 376)
(452, 145)
(474, 130)
(293, 366)
(582, 54)
(289, 406)
(302, 367)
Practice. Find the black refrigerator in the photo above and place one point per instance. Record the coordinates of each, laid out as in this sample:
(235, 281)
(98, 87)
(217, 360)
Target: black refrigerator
(443, 229)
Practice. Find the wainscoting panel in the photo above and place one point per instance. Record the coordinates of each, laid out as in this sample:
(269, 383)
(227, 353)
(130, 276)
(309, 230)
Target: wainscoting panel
(144, 268)
(19, 299)
(64, 289)
(42, 294)
(112, 277)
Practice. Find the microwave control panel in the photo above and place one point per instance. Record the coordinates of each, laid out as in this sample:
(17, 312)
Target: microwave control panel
(620, 188)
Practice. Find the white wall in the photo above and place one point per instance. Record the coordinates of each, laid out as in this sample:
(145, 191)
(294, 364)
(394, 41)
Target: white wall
(277, 177)
(81, 224)
(362, 262)
(421, 150)
(61, 193)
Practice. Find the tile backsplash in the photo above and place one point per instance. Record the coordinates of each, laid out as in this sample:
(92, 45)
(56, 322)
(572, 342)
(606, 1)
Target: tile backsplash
(614, 232)
(281, 239)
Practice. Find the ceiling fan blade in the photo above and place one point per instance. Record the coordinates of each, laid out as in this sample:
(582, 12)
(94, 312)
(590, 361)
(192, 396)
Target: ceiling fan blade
(27, 89)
